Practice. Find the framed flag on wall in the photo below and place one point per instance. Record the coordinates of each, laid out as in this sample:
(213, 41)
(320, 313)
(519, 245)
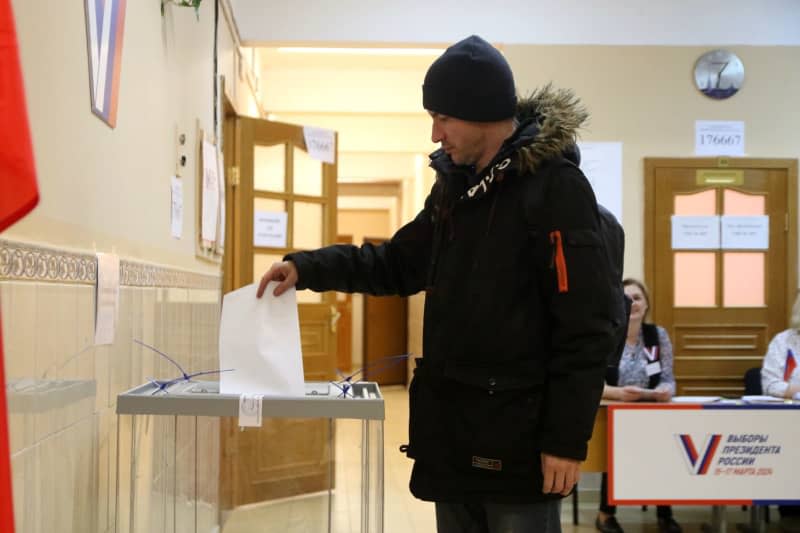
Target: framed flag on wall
(105, 21)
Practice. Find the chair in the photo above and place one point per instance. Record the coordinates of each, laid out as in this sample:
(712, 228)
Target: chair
(752, 382)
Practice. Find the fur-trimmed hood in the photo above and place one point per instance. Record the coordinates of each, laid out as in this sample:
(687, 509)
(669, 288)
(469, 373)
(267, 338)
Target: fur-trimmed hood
(548, 121)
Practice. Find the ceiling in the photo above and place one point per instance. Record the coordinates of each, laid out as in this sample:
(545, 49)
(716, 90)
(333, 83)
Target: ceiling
(601, 22)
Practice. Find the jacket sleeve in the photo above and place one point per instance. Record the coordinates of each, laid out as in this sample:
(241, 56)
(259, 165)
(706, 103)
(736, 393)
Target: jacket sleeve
(577, 289)
(396, 267)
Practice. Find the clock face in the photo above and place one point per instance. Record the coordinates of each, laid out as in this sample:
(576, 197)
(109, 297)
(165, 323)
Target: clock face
(718, 74)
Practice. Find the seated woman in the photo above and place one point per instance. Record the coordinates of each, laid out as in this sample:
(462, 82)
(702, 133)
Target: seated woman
(644, 373)
(780, 377)
(780, 371)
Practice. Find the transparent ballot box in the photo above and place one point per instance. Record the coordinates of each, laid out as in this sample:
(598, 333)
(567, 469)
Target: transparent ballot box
(184, 464)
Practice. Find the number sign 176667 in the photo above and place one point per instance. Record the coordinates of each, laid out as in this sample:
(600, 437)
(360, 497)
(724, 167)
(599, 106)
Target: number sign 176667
(717, 139)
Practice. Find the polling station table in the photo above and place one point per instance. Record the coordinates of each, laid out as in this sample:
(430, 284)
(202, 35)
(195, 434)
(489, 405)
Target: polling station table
(719, 453)
(322, 400)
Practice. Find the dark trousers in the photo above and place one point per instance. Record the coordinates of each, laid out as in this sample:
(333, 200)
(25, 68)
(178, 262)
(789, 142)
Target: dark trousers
(544, 517)
(662, 511)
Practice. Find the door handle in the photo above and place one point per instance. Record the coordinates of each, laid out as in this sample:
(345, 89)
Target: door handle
(335, 316)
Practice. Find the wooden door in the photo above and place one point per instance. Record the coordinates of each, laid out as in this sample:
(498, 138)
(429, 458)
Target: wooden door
(385, 335)
(721, 306)
(344, 323)
(271, 174)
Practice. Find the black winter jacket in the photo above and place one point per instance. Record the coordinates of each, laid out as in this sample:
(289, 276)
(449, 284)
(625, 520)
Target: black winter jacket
(517, 325)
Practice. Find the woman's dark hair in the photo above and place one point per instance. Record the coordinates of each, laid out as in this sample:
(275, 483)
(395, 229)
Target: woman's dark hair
(643, 288)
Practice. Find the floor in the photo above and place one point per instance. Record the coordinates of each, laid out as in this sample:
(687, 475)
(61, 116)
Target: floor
(403, 513)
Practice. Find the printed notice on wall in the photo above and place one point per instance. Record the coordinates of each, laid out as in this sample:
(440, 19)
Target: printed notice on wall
(745, 232)
(210, 191)
(717, 137)
(269, 229)
(221, 226)
(106, 298)
(176, 210)
(695, 232)
(601, 162)
(320, 143)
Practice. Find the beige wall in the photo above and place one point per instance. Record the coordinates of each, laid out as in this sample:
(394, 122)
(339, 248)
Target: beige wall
(644, 97)
(108, 190)
(361, 223)
(641, 96)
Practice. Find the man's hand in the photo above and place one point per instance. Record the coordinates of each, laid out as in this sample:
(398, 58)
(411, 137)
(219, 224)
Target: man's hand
(560, 474)
(285, 272)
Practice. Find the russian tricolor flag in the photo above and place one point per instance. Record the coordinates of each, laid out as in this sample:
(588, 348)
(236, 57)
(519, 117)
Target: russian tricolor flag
(791, 364)
(105, 20)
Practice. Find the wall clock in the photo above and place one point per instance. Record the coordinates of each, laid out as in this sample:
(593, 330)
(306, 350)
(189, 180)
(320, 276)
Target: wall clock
(718, 74)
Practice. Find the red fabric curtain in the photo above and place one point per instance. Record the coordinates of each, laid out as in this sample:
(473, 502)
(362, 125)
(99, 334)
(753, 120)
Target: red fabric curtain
(18, 195)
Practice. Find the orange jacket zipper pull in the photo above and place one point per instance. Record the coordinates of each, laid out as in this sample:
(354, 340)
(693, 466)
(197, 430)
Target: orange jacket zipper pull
(560, 260)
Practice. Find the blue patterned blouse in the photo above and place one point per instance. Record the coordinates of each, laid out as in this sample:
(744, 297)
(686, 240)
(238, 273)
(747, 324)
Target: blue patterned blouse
(633, 363)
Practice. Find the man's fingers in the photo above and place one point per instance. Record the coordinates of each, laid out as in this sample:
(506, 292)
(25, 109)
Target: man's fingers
(262, 285)
(553, 478)
(282, 287)
(277, 272)
(285, 273)
(266, 278)
(558, 482)
(560, 475)
(569, 482)
(548, 480)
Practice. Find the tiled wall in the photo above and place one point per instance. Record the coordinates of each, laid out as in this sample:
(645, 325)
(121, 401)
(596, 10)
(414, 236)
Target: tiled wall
(62, 394)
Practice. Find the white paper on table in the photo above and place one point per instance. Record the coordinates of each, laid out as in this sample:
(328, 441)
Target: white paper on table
(210, 199)
(259, 338)
(106, 298)
(762, 398)
(176, 211)
(695, 399)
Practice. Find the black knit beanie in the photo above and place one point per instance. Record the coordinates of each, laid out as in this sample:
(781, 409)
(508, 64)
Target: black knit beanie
(472, 81)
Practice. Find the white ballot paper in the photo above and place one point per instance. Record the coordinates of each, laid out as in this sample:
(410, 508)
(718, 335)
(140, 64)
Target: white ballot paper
(259, 338)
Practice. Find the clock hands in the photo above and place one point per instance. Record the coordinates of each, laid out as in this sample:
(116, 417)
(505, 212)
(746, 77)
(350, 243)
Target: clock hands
(719, 72)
